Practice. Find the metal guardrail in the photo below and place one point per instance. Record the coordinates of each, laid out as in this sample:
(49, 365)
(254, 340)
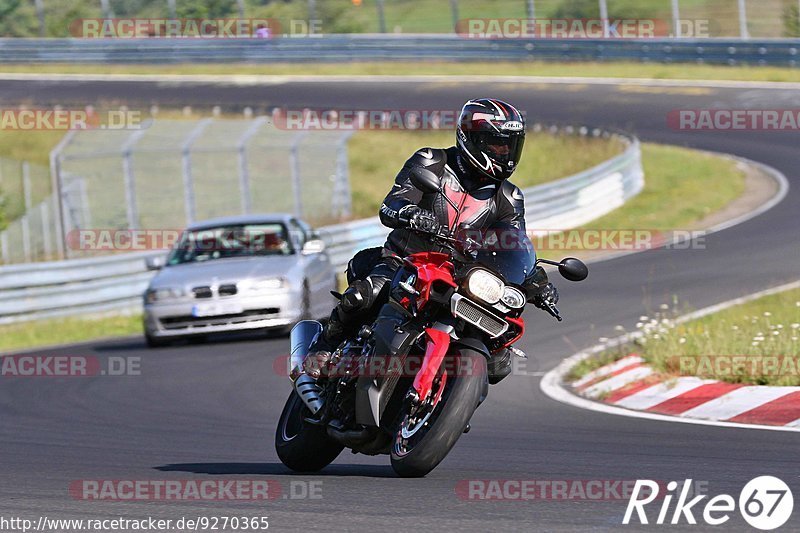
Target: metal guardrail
(362, 47)
(117, 283)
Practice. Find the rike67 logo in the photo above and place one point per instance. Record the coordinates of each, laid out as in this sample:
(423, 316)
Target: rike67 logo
(765, 503)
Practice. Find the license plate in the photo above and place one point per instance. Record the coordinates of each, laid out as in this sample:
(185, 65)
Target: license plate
(216, 309)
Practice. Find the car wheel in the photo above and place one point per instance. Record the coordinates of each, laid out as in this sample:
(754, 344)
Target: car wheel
(156, 342)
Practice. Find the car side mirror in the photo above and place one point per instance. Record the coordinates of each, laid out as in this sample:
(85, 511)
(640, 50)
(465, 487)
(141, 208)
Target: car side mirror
(314, 246)
(573, 269)
(155, 262)
(425, 180)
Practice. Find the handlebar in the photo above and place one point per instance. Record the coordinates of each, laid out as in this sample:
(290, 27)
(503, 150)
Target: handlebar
(552, 310)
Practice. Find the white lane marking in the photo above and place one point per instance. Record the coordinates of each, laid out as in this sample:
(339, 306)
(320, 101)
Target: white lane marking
(618, 381)
(260, 79)
(608, 369)
(552, 383)
(738, 401)
(661, 392)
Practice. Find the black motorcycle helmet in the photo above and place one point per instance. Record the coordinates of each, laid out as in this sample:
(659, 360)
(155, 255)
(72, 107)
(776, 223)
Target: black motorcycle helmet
(490, 135)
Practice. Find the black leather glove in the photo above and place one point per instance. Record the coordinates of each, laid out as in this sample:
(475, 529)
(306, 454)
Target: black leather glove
(420, 219)
(543, 296)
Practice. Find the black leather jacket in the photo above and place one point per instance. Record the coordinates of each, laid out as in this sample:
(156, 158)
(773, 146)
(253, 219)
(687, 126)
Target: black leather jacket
(481, 201)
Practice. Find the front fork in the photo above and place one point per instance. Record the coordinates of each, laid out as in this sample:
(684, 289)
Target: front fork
(435, 352)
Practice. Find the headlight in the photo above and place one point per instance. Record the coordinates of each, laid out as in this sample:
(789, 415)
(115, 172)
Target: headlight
(164, 293)
(513, 298)
(269, 284)
(485, 286)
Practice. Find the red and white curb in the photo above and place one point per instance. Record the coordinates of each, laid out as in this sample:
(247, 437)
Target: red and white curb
(632, 384)
(629, 387)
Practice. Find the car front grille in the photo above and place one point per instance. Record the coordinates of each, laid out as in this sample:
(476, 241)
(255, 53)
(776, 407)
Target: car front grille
(199, 322)
(479, 317)
(202, 292)
(227, 290)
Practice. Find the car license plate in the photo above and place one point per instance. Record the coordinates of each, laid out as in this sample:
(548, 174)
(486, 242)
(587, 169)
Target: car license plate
(216, 309)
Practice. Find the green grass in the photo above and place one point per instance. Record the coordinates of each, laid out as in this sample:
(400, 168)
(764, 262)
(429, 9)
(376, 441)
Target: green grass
(765, 331)
(768, 18)
(682, 186)
(375, 157)
(66, 330)
(522, 68)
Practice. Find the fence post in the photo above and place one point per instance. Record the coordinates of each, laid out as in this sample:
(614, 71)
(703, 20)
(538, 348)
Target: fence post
(676, 18)
(173, 10)
(312, 10)
(342, 200)
(531, 9)
(44, 213)
(743, 33)
(25, 221)
(381, 17)
(131, 206)
(4, 246)
(294, 166)
(106, 7)
(56, 185)
(454, 13)
(186, 169)
(40, 15)
(244, 169)
(604, 17)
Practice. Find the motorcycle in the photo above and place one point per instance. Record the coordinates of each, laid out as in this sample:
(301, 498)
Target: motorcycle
(408, 384)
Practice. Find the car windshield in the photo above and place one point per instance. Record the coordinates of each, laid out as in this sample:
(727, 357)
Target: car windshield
(224, 242)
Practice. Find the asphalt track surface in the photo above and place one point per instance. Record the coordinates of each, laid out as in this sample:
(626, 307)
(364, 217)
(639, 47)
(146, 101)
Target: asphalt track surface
(202, 411)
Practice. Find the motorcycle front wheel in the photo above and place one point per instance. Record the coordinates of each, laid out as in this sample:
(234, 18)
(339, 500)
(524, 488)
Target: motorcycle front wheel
(427, 433)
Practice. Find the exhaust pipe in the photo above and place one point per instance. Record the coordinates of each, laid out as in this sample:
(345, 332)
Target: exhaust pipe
(300, 339)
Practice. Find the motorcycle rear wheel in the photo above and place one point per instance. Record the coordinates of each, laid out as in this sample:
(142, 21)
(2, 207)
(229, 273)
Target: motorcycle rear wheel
(425, 438)
(301, 446)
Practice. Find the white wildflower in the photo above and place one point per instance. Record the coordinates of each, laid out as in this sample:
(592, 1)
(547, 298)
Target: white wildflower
(644, 318)
(664, 307)
(682, 340)
(767, 313)
(619, 328)
(795, 325)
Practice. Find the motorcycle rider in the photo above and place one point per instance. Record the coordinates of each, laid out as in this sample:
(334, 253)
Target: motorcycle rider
(474, 175)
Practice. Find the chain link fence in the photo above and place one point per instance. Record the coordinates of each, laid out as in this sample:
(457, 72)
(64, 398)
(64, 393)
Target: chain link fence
(168, 174)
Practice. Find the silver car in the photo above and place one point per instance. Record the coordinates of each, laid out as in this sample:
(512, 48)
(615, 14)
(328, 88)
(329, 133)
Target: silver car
(238, 273)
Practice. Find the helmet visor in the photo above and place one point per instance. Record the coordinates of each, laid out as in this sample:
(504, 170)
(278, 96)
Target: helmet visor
(503, 148)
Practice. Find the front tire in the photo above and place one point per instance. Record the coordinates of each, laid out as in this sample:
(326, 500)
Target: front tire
(301, 446)
(416, 455)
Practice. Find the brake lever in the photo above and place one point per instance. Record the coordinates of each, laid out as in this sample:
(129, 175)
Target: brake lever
(553, 311)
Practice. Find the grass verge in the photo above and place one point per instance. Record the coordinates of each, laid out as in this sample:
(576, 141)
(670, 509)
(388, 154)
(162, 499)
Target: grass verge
(755, 343)
(376, 156)
(66, 331)
(620, 69)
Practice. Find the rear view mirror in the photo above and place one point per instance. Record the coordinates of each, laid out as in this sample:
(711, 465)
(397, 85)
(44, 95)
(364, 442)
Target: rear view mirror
(314, 246)
(425, 180)
(156, 262)
(573, 269)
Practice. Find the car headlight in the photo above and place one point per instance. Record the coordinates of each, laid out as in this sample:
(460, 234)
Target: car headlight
(513, 298)
(485, 286)
(268, 284)
(163, 293)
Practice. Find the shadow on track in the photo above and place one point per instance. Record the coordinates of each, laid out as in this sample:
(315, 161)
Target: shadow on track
(277, 469)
